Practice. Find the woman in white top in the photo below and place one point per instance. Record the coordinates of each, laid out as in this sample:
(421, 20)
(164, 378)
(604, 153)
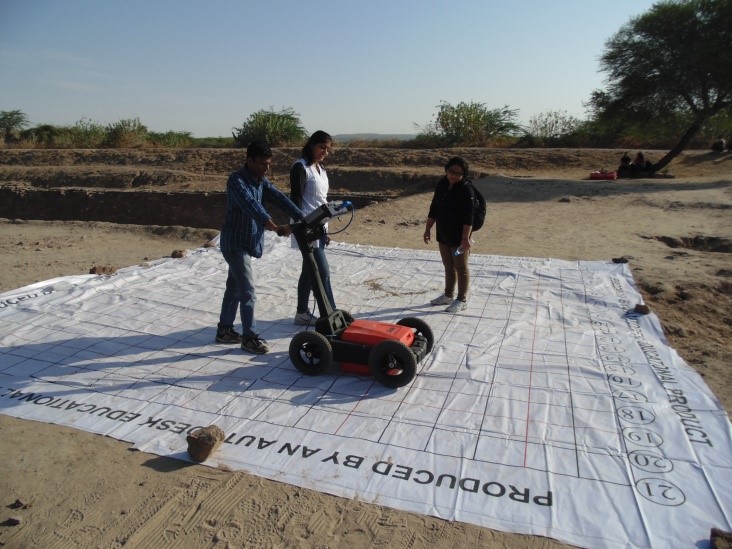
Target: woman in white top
(309, 190)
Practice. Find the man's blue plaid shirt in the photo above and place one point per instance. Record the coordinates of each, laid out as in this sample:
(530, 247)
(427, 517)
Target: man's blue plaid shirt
(243, 227)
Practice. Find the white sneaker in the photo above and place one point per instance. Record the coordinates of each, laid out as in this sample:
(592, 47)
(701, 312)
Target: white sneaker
(456, 306)
(305, 319)
(442, 300)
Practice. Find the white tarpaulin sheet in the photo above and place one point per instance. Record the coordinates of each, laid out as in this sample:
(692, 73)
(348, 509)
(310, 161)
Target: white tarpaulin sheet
(545, 408)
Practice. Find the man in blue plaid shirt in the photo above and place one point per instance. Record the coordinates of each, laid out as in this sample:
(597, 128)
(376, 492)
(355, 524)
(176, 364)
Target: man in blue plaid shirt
(242, 237)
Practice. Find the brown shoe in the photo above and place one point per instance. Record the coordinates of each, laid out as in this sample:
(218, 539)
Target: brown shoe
(228, 336)
(254, 344)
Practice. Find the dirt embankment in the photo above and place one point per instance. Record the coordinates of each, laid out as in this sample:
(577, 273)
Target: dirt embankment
(388, 171)
(186, 186)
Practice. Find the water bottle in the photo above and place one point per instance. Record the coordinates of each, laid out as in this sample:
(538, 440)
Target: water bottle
(460, 250)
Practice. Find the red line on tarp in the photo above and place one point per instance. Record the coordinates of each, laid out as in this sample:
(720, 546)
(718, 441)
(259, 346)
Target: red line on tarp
(531, 371)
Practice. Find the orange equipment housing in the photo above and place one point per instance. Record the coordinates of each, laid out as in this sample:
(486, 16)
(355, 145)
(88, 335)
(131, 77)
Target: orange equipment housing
(371, 332)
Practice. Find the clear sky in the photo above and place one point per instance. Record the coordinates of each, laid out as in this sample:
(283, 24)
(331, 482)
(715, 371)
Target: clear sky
(345, 66)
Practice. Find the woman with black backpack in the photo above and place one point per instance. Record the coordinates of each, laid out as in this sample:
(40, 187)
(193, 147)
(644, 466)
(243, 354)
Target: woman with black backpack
(452, 209)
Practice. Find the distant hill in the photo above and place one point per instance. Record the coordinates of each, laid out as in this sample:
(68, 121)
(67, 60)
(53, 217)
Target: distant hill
(346, 137)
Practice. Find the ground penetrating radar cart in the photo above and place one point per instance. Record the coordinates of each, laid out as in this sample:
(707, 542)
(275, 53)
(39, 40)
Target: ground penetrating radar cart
(388, 352)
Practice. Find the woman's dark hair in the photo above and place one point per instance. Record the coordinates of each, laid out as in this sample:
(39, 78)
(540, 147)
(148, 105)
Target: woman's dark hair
(317, 138)
(458, 161)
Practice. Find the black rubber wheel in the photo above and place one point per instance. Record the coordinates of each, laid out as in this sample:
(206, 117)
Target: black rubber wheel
(421, 328)
(311, 353)
(392, 363)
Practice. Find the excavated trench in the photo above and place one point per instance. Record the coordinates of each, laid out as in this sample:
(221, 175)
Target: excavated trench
(162, 196)
(698, 243)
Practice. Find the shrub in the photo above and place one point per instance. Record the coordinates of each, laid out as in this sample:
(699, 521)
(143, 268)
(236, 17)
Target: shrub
(551, 129)
(126, 133)
(277, 129)
(44, 135)
(213, 142)
(470, 124)
(427, 140)
(85, 134)
(170, 139)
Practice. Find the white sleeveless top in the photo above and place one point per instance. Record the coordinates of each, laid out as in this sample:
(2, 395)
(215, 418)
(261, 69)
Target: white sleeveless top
(315, 193)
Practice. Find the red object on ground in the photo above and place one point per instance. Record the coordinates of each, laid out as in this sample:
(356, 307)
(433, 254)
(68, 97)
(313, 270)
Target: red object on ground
(603, 175)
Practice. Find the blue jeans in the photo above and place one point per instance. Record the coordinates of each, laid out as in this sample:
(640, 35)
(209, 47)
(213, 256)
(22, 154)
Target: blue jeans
(239, 293)
(305, 284)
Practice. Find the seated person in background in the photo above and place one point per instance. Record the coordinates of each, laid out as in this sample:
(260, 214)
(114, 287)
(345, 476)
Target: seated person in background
(718, 145)
(624, 170)
(640, 165)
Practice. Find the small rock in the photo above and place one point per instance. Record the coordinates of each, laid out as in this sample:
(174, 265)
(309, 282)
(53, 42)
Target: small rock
(657, 288)
(103, 269)
(18, 504)
(678, 331)
(720, 539)
(621, 259)
(684, 294)
(204, 442)
(642, 309)
(14, 521)
(177, 254)
(565, 199)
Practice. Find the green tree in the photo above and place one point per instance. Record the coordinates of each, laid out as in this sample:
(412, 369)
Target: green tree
(670, 63)
(12, 122)
(471, 123)
(277, 129)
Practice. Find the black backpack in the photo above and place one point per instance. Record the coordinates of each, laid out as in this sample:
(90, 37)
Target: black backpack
(479, 208)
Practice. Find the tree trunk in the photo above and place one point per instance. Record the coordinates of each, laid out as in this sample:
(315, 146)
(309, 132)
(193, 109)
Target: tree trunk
(679, 147)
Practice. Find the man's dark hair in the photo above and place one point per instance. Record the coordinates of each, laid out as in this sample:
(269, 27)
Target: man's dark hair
(458, 161)
(316, 139)
(257, 149)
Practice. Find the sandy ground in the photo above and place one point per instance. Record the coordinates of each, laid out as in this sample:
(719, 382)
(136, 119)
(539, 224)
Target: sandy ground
(73, 489)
